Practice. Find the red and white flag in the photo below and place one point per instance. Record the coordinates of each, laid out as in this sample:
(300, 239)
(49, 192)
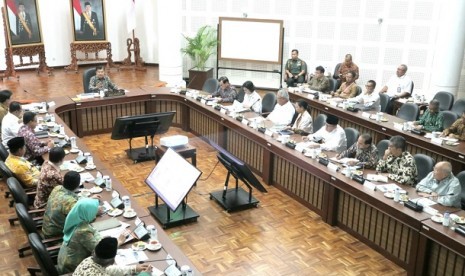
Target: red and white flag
(131, 15)
(77, 10)
(12, 13)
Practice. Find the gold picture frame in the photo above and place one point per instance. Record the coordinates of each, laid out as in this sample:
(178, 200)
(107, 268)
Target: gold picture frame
(23, 23)
(88, 18)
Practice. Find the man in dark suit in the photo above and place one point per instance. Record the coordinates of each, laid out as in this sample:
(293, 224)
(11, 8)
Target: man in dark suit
(89, 23)
(23, 25)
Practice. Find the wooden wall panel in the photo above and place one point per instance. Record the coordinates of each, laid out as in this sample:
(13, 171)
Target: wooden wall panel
(205, 126)
(245, 149)
(443, 261)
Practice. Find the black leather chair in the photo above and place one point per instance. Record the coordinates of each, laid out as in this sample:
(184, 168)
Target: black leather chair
(240, 95)
(3, 152)
(89, 73)
(268, 102)
(446, 100)
(461, 177)
(42, 256)
(332, 84)
(30, 226)
(458, 107)
(351, 135)
(319, 122)
(425, 165)
(382, 147)
(210, 85)
(383, 101)
(359, 90)
(336, 76)
(409, 112)
(449, 118)
(6, 173)
(20, 196)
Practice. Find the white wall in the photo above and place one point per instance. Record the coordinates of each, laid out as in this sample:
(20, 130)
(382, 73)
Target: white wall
(325, 30)
(57, 32)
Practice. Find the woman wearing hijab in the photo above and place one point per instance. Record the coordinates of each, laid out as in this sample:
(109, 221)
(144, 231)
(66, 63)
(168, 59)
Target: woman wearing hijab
(79, 239)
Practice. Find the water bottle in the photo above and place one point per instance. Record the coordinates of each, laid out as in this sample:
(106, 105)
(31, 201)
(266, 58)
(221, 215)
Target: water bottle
(47, 118)
(127, 202)
(52, 118)
(397, 195)
(445, 221)
(73, 142)
(62, 130)
(108, 186)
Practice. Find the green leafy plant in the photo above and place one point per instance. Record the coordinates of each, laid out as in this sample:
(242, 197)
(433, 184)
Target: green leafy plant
(200, 47)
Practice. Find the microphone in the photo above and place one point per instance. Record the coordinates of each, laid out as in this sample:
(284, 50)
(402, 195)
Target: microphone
(254, 103)
(40, 100)
(156, 260)
(191, 82)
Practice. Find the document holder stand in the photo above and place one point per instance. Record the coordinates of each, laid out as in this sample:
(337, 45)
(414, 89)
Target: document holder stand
(235, 198)
(139, 129)
(183, 214)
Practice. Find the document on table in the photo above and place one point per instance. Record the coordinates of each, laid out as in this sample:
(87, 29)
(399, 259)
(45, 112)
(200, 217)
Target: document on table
(129, 256)
(388, 187)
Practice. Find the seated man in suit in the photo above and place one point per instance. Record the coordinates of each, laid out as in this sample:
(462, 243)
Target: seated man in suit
(457, 129)
(318, 81)
(283, 111)
(101, 81)
(296, 69)
(363, 150)
(348, 88)
(26, 173)
(441, 185)
(332, 136)
(398, 163)
(225, 93)
(432, 119)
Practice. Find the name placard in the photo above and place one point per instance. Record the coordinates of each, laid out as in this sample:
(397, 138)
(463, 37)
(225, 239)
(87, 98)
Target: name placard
(437, 141)
(366, 115)
(203, 101)
(333, 167)
(245, 122)
(369, 185)
(223, 110)
(269, 133)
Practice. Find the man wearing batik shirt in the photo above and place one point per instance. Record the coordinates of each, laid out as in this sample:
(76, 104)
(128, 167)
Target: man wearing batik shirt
(60, 202)
(225, 93)
(432, 119)
(363, 150)
(26, 173)
(101, 81)
(398, 163)
(50, 177)
(34, 147)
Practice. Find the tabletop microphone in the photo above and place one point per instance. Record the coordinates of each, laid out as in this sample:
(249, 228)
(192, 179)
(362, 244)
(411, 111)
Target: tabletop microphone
(143, 194)
(254, 103)
(157, 260)
(40, 100)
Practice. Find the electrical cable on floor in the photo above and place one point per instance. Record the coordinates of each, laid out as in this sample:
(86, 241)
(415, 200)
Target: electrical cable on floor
(204, 179)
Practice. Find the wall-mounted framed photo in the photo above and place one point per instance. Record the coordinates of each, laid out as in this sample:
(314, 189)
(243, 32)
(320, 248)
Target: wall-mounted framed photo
(88, 20)
(23, 22)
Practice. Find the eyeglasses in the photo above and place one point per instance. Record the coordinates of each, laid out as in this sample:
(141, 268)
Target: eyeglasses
(368, 85)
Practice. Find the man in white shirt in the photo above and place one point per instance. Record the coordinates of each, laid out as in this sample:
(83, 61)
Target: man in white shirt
(332, 137)
(283, 110)
(11, 122)
(370, 99)
(398, 86)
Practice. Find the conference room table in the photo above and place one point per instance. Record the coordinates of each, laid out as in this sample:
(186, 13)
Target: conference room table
(387, 226)
(158, 258)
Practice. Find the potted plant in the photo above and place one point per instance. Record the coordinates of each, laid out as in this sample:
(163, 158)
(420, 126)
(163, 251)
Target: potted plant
(200, 48)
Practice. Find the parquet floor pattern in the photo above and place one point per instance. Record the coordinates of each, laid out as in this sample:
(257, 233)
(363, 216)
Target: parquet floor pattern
(280, 237)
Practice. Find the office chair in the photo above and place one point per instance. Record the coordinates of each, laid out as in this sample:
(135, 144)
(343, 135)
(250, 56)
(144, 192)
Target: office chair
(359, 90)
(86, 76)
(449, 118)
(383, 101)
(425, 165)
(332, 84)
(210, 85)
(20, 196)
(409, 112)
(268, 102)
(458, 107)
(3, 152)
(461, 177)
(351, 135)
(382, 147)
(319, 122)
(240, 95)
(446, 100)
(42, 256)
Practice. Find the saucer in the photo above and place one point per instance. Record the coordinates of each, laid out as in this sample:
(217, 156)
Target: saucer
(85, 193)
(41, 111)
(74, 150)
(389, 195)
(53, 134)
(154, 245)
(77, 169)
(437, 218)
(89, 167)
(60, 136)
(460, 220)
(95, 190)
(115, 212)
(139, 246)
(129, 214)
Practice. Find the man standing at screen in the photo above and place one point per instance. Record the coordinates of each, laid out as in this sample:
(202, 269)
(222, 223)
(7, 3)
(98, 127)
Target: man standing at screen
(295, 70)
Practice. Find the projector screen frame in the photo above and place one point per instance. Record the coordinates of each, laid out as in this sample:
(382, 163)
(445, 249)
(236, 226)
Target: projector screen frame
(270, 21)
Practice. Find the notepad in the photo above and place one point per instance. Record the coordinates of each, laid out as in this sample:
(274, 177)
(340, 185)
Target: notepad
(106, 224)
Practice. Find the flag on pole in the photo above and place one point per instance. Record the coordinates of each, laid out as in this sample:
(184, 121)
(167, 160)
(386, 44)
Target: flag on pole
(77, 10)
(12, 13)
(131, 15)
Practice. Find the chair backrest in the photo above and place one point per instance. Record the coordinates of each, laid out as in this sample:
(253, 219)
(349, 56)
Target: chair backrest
(268, 102)
(4, 170)
(19, 195)
(25, 219)
(240, 95)
(446, 100)
(449, 118)
(42, 256)
(409, 112)
(411, 90)
(3, 152)
(89, 73)
(382, 147)
(383, 101)
(210, 85)
(458, 107)
(336, 69)
(351, 135)
(461, 177)
(319, 122)
(359, 90)
(332, 84)
(425, 165)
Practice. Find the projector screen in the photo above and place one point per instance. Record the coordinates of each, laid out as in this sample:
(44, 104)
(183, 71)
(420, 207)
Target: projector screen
(245, 39)
(172, 178)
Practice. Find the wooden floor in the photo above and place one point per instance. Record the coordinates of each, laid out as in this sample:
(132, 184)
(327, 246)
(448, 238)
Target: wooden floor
(280, 237)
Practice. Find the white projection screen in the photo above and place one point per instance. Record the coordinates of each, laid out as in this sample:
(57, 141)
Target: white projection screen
(247, 39)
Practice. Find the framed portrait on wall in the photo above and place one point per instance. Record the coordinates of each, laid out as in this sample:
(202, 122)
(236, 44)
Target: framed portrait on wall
(88, 20)
(23, 22)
